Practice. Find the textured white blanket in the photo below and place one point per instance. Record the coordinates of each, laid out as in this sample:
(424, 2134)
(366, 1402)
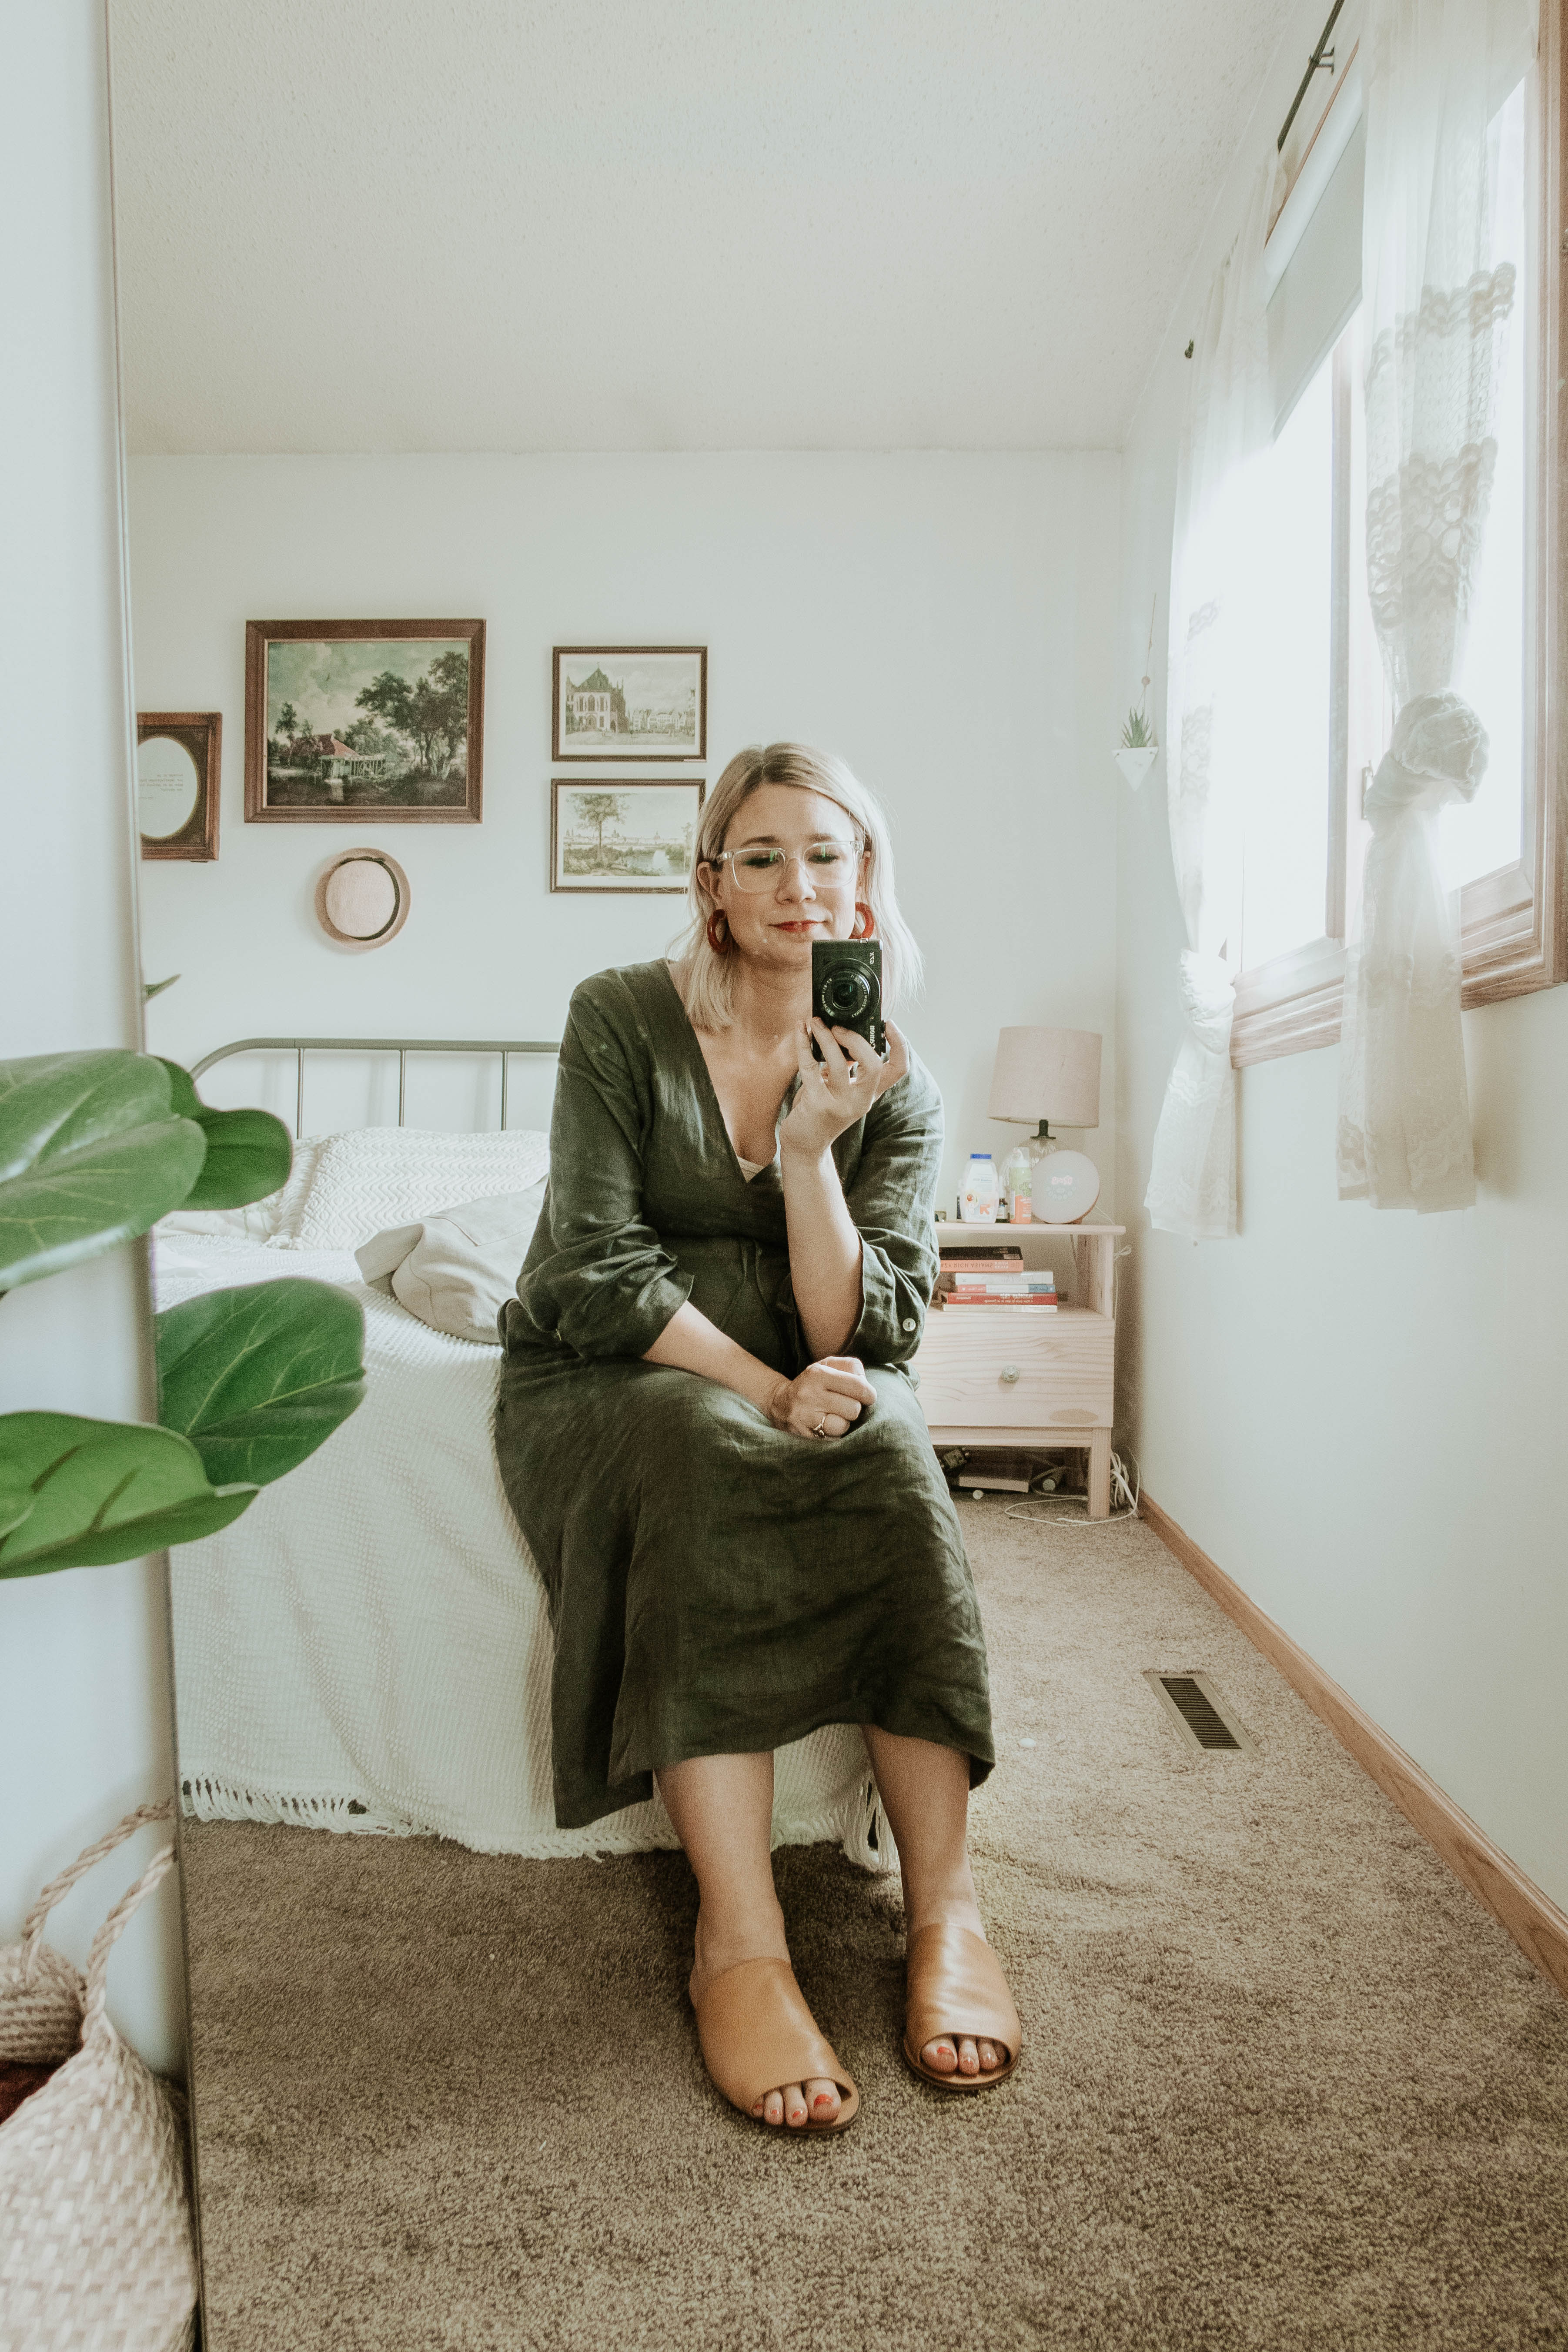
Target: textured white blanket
(368, 1647)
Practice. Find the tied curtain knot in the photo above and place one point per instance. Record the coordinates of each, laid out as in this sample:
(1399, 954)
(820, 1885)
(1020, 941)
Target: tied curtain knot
(1208, 1001)
(1438, 756)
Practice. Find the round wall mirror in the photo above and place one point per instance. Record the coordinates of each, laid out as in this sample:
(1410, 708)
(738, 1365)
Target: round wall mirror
(168, 785)
(362, 898)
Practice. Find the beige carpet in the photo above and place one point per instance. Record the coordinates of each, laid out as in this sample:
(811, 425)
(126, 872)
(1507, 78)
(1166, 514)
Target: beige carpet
(1285, 2083)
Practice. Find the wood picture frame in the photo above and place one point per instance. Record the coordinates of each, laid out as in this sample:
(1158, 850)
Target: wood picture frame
(653, 834)
(628, 703)
(198, 734)
(357, 722)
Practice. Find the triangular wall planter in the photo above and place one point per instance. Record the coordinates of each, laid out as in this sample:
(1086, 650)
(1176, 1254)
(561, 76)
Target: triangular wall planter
(1135, 765)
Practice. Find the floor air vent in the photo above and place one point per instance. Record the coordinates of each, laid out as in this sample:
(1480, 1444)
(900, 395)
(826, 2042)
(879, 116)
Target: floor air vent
(1201, 1716)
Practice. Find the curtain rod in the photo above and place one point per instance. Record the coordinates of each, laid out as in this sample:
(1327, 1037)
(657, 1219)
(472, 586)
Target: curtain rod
(1321, 56)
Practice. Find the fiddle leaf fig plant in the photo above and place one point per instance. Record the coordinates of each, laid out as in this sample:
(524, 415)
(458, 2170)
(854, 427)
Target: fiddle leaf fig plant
(104, 1490)
(91, 1153)
(248, 1152)
(258, 1377)
(94, 1148)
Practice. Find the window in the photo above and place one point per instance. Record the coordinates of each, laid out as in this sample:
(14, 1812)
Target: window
(1321, 716)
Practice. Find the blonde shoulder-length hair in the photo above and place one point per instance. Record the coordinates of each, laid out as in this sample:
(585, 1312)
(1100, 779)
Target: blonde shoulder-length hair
(705, 980)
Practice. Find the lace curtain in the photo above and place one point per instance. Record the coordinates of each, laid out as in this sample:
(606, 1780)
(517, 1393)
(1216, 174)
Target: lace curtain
(1231, 416)
(1436, 310)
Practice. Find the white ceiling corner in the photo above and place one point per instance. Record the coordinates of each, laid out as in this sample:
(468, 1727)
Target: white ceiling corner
(399, 225)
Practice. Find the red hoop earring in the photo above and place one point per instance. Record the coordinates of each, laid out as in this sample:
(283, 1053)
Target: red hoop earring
(865, 929)
(719, 937)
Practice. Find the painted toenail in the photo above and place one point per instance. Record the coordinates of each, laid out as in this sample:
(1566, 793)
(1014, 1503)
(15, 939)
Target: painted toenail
(823, 2099)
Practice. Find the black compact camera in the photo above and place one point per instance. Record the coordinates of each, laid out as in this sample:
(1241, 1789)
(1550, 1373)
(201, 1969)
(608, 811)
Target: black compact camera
(847, 990)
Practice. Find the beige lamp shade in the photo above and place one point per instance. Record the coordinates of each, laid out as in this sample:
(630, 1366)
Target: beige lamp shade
(1046, 1074)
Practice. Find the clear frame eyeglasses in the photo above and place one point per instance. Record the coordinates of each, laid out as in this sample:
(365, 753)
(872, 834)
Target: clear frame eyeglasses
(828, 865)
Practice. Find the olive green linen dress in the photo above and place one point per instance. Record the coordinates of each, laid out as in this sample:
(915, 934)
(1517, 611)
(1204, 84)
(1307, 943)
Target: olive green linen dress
(718, 1585)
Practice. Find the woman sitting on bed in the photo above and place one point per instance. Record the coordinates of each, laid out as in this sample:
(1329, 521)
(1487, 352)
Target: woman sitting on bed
(712, 1443)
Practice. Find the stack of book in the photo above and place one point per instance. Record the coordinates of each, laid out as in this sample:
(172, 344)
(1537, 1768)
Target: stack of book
(994, 1277)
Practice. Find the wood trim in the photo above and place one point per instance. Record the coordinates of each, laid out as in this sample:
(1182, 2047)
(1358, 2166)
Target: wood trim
(1288, 1005)
(1511, 944)
(1530, 1918)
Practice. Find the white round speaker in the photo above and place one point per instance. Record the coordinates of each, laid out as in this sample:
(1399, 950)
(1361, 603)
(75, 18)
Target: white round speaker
(1064, 1188)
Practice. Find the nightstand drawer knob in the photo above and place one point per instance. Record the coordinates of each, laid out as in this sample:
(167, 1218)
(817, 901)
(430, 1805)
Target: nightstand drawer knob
(1009, 1373)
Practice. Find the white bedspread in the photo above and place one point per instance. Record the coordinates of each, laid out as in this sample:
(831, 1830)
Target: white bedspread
(368, 1647)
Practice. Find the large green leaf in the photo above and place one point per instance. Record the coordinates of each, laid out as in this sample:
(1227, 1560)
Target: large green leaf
(15, 1502)
(248, 1152)
(259, 1377)
(90, 1155)
(103, 1490)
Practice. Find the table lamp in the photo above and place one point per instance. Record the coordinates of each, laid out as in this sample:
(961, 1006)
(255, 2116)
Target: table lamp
(1043, 1074)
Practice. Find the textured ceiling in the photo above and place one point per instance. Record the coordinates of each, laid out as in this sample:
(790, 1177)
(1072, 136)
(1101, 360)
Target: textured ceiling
(392, 224)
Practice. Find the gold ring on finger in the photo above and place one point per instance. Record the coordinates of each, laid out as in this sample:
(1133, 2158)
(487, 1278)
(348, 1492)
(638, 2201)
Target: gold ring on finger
(821, 1429)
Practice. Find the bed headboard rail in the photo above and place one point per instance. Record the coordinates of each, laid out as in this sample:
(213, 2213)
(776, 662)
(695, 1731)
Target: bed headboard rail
(401, 1046)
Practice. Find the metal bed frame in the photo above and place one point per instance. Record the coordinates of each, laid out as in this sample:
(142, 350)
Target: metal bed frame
(401, 1046)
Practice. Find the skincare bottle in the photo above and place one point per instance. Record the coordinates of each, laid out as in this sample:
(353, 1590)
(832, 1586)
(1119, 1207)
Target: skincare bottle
(979, 1190)
(1016, 1172)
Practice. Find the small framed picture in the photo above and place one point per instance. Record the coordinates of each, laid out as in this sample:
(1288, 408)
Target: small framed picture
(355, 722)
(630, 702)
(629, 837)
(179, 771)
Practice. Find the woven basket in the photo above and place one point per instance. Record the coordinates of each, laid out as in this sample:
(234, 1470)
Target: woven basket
(96, 2243)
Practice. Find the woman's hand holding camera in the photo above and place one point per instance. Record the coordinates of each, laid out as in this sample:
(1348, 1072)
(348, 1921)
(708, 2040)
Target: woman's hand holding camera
(824, 1400)
(840, 1089)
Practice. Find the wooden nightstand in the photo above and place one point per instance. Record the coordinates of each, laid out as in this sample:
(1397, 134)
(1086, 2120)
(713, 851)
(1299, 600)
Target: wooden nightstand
(1022, 1376)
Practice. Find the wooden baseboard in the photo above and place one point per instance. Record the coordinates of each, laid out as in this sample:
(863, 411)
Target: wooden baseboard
(1532, 1919)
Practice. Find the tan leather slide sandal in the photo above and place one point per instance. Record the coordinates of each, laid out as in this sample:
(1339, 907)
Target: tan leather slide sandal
(955, 1987)
(757, 2034)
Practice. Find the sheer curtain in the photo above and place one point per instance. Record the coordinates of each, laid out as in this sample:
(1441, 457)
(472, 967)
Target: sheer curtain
(1230, 418)
(1436, 310)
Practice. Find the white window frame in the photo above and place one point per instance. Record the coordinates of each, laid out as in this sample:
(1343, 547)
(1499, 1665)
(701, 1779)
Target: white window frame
(1513, 922)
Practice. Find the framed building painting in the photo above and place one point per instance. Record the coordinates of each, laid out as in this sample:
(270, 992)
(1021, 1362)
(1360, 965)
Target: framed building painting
(630, 837)
(629, 702)
(354, 721)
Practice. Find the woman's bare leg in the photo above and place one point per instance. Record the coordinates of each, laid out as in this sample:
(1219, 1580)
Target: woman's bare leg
(925, 1789)
(722, 1809)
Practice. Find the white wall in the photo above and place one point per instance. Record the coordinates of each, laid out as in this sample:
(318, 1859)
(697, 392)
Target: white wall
(1358, 1416)
(84, 1730)
(944, 622)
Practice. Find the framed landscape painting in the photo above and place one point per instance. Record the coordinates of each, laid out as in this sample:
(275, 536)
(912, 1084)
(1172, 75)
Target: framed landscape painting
(630, 702)
(623, 836)
(354, 721)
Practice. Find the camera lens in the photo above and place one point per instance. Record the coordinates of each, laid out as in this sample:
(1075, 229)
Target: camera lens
(846, 996)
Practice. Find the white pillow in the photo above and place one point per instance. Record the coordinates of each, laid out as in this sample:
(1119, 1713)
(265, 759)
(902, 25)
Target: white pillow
(457, 1270)
(373, 1177)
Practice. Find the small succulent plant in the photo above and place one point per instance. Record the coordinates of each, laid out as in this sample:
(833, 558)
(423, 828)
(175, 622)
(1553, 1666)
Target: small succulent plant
(1137, 734)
